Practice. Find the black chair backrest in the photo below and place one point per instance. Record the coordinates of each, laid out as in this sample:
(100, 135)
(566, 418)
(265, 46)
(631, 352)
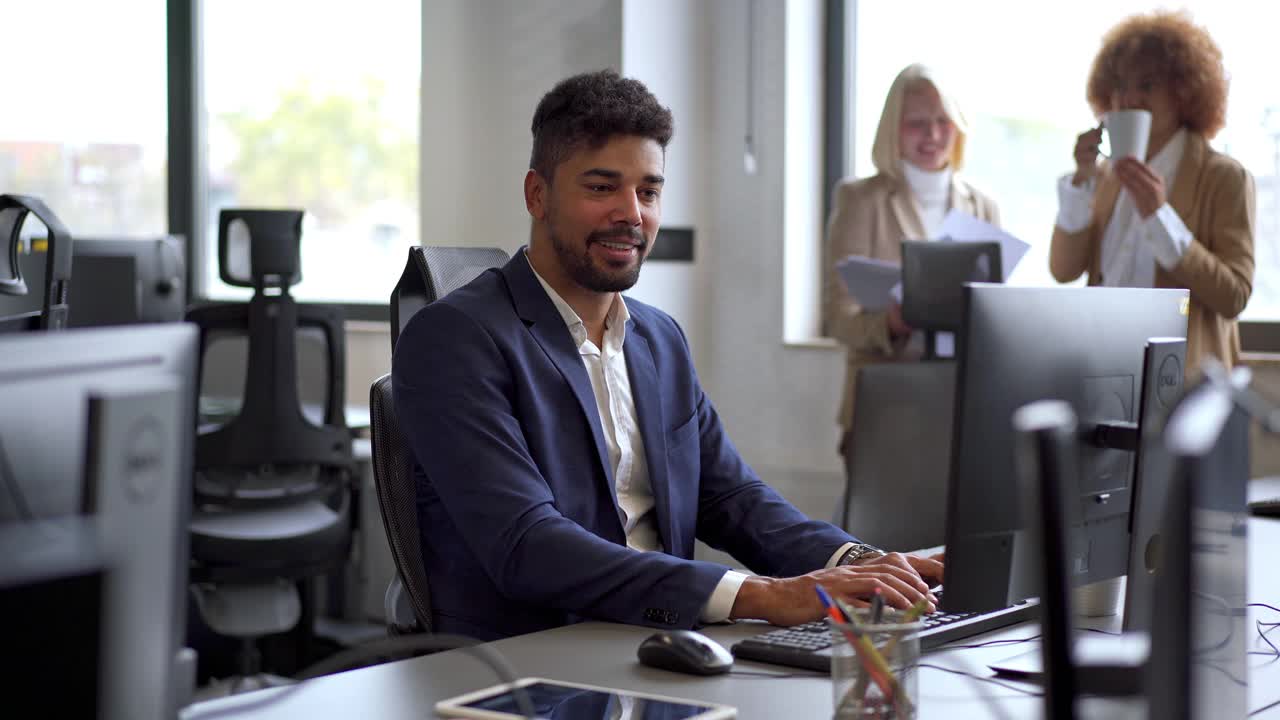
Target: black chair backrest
(933, 278)
(433, 272)
(397, 499)
(269, 451)
(430, 273)
(53, 311)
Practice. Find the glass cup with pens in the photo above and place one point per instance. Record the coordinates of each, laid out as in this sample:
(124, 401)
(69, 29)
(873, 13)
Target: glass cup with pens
(875, 654)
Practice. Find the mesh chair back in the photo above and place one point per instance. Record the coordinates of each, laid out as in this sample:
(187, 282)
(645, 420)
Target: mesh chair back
(433, 272)
(397, 500)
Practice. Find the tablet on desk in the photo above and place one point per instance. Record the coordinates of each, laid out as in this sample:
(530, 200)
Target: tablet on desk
(558, 700)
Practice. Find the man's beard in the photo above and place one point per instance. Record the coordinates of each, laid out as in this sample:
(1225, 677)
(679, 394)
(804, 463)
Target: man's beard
(586, 273)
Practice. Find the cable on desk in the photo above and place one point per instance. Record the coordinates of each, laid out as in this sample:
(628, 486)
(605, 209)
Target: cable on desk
(1264, 708)
(1006, 641)
(755, 673)
(983, 678)
(382, 649)
(15, 490)
(1272, 608)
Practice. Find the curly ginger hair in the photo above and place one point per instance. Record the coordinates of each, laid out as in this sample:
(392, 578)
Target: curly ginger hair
(1182, 50)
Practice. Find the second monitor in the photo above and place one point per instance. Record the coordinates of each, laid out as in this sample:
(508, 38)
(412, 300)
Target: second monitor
(1021, 344)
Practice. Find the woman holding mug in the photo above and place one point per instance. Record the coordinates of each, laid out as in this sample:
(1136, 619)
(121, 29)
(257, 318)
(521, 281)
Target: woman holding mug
(918, 153)
(1183, 217)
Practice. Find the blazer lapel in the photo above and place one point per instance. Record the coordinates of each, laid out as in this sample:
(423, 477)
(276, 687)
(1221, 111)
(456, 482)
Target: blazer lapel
(1182, 195)
(904, 211)
(548, 329)
(644, 390)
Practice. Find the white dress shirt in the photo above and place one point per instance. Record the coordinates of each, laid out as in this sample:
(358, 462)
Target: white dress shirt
(611, 384)
(1131, 244)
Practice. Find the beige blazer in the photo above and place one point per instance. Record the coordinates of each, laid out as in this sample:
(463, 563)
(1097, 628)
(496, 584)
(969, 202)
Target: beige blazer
(1214, 195)
(871, 217)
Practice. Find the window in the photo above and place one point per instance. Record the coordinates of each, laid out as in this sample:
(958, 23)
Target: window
(84, 122)
(315, 106)
(1022, 80)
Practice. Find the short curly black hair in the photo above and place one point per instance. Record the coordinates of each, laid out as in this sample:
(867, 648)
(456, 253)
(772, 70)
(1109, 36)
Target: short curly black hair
(589, 109)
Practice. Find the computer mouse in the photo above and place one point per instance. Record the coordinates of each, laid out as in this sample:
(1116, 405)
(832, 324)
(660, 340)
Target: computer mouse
(684, 651)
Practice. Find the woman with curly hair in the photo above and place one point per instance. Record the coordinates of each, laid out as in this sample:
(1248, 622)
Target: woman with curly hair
(1184, 218)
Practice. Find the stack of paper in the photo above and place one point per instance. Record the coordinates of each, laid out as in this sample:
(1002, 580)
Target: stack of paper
(959, 226)
(873, 284)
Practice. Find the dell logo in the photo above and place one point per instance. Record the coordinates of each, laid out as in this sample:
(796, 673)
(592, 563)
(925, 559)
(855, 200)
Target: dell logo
(1169, 380)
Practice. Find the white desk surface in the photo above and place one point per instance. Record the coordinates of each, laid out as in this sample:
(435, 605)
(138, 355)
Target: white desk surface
(604, 654)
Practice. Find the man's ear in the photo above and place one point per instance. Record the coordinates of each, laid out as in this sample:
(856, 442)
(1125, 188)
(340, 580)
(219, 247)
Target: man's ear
(535, 194)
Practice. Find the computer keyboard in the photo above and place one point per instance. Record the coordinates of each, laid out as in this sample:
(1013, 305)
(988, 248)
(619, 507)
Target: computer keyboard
(809, 645)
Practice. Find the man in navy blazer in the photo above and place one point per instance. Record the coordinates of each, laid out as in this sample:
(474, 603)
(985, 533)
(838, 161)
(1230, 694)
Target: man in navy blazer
(566, 454)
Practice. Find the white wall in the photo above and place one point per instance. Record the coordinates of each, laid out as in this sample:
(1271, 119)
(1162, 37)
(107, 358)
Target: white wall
(779, 402)
(485, 64)
(664, 45)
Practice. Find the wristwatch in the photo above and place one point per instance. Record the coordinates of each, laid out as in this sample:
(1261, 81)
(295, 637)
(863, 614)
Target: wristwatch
(859, 551)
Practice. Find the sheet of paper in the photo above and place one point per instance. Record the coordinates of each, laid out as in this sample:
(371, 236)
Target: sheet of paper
(871, 282)
(960, 226)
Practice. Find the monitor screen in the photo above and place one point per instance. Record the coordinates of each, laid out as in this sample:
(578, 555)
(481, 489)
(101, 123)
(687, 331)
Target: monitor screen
(1084, 346)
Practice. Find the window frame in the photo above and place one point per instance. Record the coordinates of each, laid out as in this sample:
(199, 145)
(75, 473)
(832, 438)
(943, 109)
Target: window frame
(1256, 336)
(187, 140)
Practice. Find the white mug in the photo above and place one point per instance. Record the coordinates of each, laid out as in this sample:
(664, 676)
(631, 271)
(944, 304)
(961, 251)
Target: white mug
(1128, 132)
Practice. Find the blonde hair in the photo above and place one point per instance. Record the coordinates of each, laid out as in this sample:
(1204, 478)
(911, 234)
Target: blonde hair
(885, 152)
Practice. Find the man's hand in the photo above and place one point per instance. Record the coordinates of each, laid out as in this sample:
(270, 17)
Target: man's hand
(1145, 186)
(927, 568)
(791, 601)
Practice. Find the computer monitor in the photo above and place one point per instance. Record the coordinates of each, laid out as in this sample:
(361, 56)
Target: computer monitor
(934, 274)
(1199, 631)
(1163, 367)
(100, 423)
(1022, 344)
(125, 281)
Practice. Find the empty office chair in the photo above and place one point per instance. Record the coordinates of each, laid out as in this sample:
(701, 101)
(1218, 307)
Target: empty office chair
(430, 273)
(272, 487)
(49, 310)
(900, 455)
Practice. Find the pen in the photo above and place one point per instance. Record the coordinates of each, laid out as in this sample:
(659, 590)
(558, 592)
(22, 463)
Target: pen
(872, 662)
(877, 607)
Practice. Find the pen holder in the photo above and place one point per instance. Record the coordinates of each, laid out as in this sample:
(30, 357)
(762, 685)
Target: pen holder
(874, 666)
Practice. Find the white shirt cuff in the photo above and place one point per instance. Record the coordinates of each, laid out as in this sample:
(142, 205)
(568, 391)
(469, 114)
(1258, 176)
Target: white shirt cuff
(1167, 236)
(1073, 204)
(720, 605)
(839, 553)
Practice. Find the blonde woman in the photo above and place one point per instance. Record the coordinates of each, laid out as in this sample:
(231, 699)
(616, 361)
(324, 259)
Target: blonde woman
(918, 153)
(1184, 216)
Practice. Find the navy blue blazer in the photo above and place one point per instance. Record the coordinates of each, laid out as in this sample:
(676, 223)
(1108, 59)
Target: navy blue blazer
(516, 507)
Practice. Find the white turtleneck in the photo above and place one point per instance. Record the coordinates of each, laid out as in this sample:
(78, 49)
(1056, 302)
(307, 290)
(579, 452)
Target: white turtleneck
(932, 192)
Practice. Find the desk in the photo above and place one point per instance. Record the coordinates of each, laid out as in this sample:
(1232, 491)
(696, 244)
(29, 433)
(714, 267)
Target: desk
(604, 654)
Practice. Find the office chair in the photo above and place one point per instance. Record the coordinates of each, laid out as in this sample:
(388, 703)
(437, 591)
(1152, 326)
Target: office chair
(899, 460)
(933, 278)
(430, 273)
(52, 314)
(272, 506)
